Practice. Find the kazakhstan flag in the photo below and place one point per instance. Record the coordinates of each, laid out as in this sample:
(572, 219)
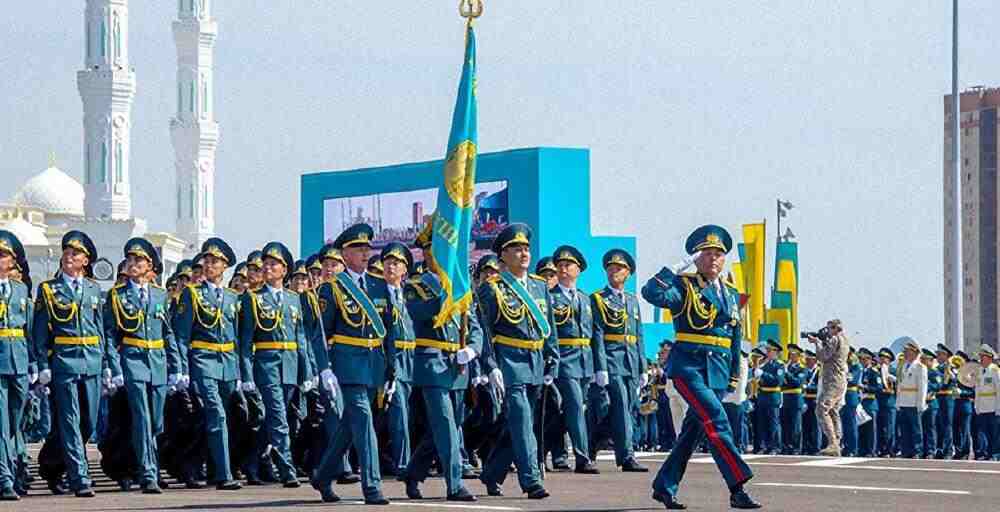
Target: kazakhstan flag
(452, 223)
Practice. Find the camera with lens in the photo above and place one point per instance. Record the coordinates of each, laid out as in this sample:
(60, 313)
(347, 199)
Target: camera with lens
(823, 334)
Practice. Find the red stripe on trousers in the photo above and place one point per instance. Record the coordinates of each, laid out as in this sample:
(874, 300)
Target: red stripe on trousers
(713, 435)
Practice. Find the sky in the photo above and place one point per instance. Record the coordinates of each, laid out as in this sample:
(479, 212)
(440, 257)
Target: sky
(694, 111)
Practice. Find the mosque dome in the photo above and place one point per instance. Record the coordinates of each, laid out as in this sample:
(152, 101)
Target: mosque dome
(28, 233)
(52, 191)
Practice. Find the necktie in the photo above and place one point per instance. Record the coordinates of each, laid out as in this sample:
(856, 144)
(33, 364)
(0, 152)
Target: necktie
(142, 297)
(3, 290)
(361, 282)
(218, 295)
(76, 288)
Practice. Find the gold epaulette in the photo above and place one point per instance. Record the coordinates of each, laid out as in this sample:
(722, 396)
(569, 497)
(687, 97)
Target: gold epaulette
(537, 277)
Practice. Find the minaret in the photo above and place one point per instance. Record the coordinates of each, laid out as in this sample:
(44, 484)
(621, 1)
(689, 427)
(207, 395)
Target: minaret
(194, 132)
(107, 86)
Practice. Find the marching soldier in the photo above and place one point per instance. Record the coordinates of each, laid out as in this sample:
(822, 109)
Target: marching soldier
(273, 356)
(771, 375)
(704, 362)
(574, 328)
(792, 402)
(911, 401)
(332, 261)
(70, 307)
(357, 354)
(871, 383)
(18, 368)
(886, 396)
(396, 261)
(987, 391)
(517, 319)
(619, 351)
(928, 420)
(137, 326)
(852, 399)
(964, 398)
(810, 424)
(946, 403)
(206, 323)
(441, 377)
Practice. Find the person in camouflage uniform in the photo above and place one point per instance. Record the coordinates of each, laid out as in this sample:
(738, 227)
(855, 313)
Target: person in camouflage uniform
(832, 353)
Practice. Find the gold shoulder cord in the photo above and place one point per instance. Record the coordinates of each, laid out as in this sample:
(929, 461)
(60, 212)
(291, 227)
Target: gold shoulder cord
(313, 303)
(345, 310)
(199, 307)
(120, 314)
(510, 314)
(53, 305)
(563, 314)
(275, 318)
(611, 318)
(692, 303)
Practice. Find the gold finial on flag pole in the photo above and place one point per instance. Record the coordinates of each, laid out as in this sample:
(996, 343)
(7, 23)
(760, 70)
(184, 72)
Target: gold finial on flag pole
(470, 9)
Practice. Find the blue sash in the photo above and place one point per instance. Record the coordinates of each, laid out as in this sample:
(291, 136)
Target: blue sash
(536, 313)
(366, 304)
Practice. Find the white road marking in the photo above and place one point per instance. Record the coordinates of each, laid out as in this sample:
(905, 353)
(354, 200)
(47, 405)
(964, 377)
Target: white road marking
(859, 488)
(440, 505)
(834, 461)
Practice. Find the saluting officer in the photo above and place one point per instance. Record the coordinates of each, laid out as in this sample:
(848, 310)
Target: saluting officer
(273, 355)
(886, 396)
(792, 401)
(574, 326)
(704, 363)
(871, 383)
(517, 320)
(72, 352)
(946, 403)
(206, 323)
(357, 355)
(137, 326)
(619, 351)
(18, 368)
(441, 374)
(771, 375)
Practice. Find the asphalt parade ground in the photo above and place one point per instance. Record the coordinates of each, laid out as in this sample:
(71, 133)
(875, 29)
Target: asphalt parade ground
(802, 484)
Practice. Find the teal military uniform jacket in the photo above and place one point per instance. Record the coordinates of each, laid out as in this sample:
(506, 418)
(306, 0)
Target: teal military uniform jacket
(707, 325)
(855, 374)
(356, 353)
(312, 324)
(871, 383)
(403, 335)
(793, 387)
(934, 382)
(618, 329)
(506, 318)
(16, 313)
(272, 338)
(574, 322)
(206, 331)
(70, 331)
(434, 362)
(141, 334)
(771, 380)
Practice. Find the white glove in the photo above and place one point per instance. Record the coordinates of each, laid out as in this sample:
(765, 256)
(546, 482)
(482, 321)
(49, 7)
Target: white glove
(173, 379)
(307, 386)
(466, 355)
(315, 382)
(239, 384)
(32, 378)
(248, 387)
(329, 381)
(41, 391)
(548, 380)
(106, 378)
(118, 381)
(601, 378)
(643, 380)
(757, 373)
(185, 380)
(496, 378)
(45, 377)
(481, 380)
(390, 389)
(682, 265)
(892, 378)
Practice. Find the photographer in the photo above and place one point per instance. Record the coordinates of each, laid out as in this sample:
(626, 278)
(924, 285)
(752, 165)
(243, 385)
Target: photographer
(832, 348)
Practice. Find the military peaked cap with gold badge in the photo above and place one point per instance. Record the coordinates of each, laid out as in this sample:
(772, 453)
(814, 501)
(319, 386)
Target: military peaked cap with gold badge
(241, 269)
(183, 268)
(773, 345)
(863, 351)
(942, 348)
(330, 252)
(619, 257)
(196, 262)
(10, 244)
(375, 266)
(278, 251)
(313, 263)
(927, 353)
(516, 233)
(142, 248)
(81, 242)
(398, 251)
(987, 350)
(810, 354)
(220, 249)
(709, 237)
(911, 345)
(885, 352)
(171, 281)
(358, 234)
(487, 261)
(792, 347)
(255, 259)
(570, 253)
(300, 269)
(545, 265)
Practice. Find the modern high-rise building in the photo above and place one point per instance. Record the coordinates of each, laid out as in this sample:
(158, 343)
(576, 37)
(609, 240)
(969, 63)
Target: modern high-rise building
(978, 139)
